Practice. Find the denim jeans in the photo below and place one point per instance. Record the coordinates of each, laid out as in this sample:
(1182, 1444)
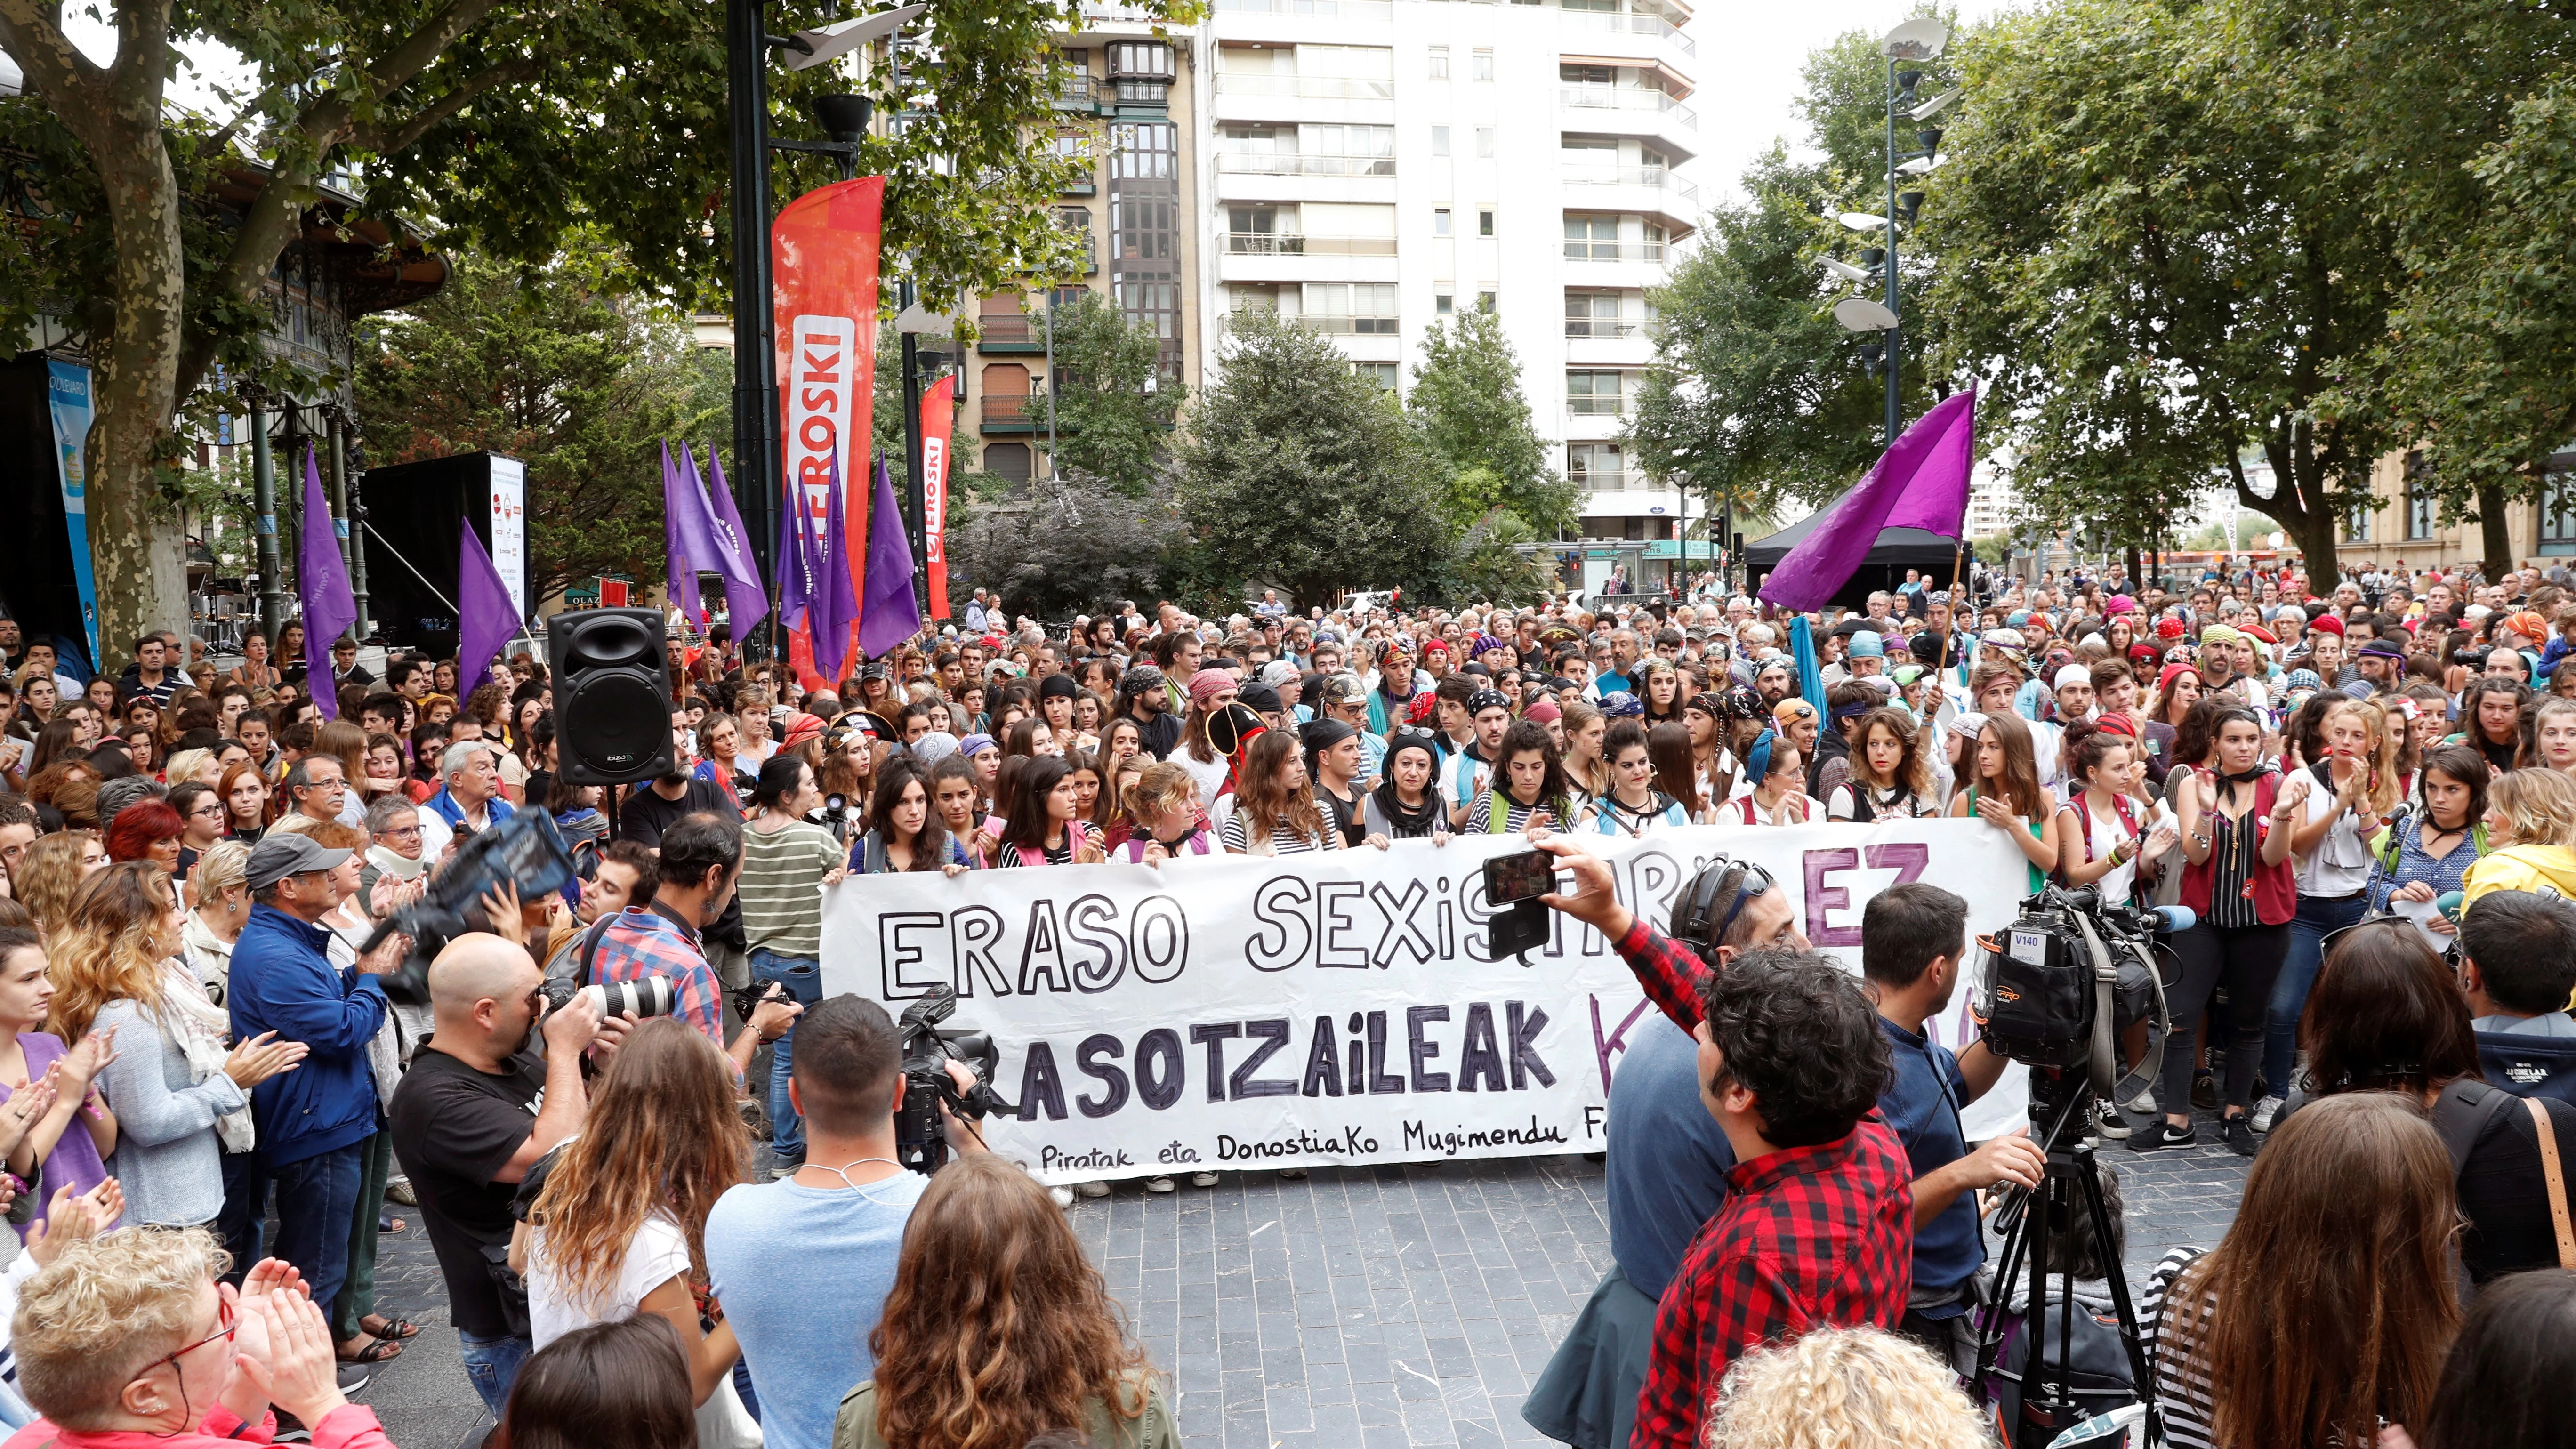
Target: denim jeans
(2299, 973)
(803, 977)
(492, 1366)
(245, 1213)
(315, 1198)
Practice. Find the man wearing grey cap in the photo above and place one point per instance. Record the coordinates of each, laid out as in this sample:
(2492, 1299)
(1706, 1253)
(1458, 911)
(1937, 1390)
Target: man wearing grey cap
(313, 1123)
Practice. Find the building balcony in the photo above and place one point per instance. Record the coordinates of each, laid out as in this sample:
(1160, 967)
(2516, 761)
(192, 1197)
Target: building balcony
(1095, 13)
(1248, 163)
(1291, 244)
(1620, 482)
(1080, 186)
(1615, 251)
(1599, 23)
(1595, 407)
(1334, 324)
(1082, 95)
(1310, 87)
(1004, 333)
(1660, 178)
(1011, 413)
(1380, 12)
(1628, 98)
(1603, 328)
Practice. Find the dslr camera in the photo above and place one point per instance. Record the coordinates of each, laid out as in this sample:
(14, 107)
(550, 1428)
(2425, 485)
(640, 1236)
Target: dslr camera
(646, 996)
(927, 1051)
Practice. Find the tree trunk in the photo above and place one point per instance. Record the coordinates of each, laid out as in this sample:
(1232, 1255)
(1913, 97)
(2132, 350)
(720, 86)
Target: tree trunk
(2495, 535)
(134, 542)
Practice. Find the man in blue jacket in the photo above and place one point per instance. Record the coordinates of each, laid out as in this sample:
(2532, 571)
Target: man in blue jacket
(313, 1122)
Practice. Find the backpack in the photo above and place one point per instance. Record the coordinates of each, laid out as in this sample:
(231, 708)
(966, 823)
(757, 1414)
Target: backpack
(2099, 1378)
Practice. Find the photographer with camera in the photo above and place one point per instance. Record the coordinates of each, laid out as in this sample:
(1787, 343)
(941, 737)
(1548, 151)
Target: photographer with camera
(699, 867)
(476, 1110)
(312, 1124)
(1913, 938)
(1817, 1227)
(1666, 1166)
(802, 1265)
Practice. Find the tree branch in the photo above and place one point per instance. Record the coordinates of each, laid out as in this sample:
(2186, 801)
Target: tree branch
(30, 32)
(386, 141)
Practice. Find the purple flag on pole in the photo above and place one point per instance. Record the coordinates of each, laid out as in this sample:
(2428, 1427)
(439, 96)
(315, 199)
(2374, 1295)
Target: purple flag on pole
(835, 605)
(485, 618)
(1921, 482)
(705, 544)
(800, 569)
(892, 613)
(681, 585)
(746, 600)
(322, 576)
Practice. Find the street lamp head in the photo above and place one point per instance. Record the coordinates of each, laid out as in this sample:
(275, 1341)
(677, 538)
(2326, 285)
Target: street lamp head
(1921, 38)
(1860, 314)
(1843, 269)
(1935, 106)
(1919, 166)
(843, 118)
(831, 42)
(920, 321)
(1907, 80)
(1873, 256)
(1862, 221)
(1929, 139)
(1907, 204)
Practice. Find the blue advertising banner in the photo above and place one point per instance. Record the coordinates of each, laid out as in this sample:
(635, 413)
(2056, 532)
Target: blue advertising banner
(67, 393)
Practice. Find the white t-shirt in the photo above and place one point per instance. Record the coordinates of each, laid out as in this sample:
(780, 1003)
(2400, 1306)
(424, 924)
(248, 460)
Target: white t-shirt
(659, 1254)
(2340, 865)
(1210, 774)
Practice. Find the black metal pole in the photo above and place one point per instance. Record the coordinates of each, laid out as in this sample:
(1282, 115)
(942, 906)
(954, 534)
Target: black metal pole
(755, 362)
(1895, 335)
(913, 502)
(263, 490)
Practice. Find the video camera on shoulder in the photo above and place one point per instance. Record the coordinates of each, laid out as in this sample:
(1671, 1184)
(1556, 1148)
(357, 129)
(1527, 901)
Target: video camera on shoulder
(525, 851)
(919, 1142)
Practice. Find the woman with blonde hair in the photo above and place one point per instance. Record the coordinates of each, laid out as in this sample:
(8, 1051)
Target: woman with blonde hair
(2531, 836)
(180, 1090)
(1842, 1388)
(998, 1329)
(616, 1223)
(50, 874)
(222, 885)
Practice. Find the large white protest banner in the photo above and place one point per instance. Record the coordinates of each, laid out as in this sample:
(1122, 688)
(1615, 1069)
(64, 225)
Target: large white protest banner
(1338, 1009)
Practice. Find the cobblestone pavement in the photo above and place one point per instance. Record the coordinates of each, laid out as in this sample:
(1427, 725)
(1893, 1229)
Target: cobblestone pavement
(1389, 1306)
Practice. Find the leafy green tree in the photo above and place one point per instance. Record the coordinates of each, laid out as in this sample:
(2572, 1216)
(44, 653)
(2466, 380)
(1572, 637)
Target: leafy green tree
(1114, 407)
(2144, 254)
(2457, 128)
(1297, 470)
(511, 125)
(582, 385)
(1467, 399)
(1069, 545)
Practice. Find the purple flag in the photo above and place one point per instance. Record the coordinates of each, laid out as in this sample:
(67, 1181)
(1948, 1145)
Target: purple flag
(835, 605)
(746, 601)
(892, 613)
(800, 568)
(682, 584)
(322, 577)
(1922, 482)
(485, 618)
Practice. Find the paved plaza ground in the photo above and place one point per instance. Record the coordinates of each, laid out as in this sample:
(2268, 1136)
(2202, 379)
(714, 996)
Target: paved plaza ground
(1379, 1307)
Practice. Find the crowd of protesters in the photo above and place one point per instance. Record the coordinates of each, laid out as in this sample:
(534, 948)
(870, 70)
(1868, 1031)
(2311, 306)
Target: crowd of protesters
(214, 1110)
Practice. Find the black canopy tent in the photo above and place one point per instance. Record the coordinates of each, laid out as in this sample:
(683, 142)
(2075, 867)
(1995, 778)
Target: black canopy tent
(1896, 550)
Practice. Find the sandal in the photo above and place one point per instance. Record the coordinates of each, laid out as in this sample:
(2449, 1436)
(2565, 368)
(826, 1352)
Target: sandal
(376, 1351)
(396, 1328)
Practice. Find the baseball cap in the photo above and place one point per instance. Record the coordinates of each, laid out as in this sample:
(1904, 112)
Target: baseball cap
(280, 855)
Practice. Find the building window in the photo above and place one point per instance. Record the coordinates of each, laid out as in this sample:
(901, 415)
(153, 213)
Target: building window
(1439, 62)
(2356, 522)
(1440, 221)
(1592, 394)
(1485, 142)
(1484, 64)
(1592, 239)
(1596, 467)
(1485, 221)
(1362, 308)
(2420, 510)
(1144, 229)
(1443, 304)
(1381, 373)
(1142, 71)
(1486, 301)
(1440, 140)
(2558, 510)
(1007, 460)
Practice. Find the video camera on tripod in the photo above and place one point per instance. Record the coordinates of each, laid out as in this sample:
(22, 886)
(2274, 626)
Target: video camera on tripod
(927, 1051)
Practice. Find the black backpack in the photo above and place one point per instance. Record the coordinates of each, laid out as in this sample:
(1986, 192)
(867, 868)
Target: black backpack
(2100, 1380)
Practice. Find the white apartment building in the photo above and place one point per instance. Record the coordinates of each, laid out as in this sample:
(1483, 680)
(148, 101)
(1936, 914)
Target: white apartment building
(1371, 166)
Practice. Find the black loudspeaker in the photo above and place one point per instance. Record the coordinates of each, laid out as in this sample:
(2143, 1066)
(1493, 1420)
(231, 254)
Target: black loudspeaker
(612, 690)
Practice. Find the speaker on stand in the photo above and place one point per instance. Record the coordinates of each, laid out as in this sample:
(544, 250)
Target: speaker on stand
(612, 696)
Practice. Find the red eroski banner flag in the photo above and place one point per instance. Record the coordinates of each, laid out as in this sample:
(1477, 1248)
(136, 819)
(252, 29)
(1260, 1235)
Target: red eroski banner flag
(938, 416)
(823, 257)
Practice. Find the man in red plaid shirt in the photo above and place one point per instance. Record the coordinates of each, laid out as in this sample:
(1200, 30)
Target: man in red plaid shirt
(1818, 1224)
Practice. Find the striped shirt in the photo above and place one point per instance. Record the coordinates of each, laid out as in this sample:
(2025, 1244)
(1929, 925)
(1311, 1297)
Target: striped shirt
(2182, 1389)
(1284, 839)
(782, 876)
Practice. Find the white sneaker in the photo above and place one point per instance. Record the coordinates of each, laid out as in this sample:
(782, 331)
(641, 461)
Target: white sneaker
(2265, 1111)
(1094, 1188)
(1202, 1179)
(2144, 1104)
(1063, 1196)
(1158, 1184)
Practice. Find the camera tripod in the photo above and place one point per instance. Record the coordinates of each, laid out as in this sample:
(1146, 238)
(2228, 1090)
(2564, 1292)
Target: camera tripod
(2060, 1100)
